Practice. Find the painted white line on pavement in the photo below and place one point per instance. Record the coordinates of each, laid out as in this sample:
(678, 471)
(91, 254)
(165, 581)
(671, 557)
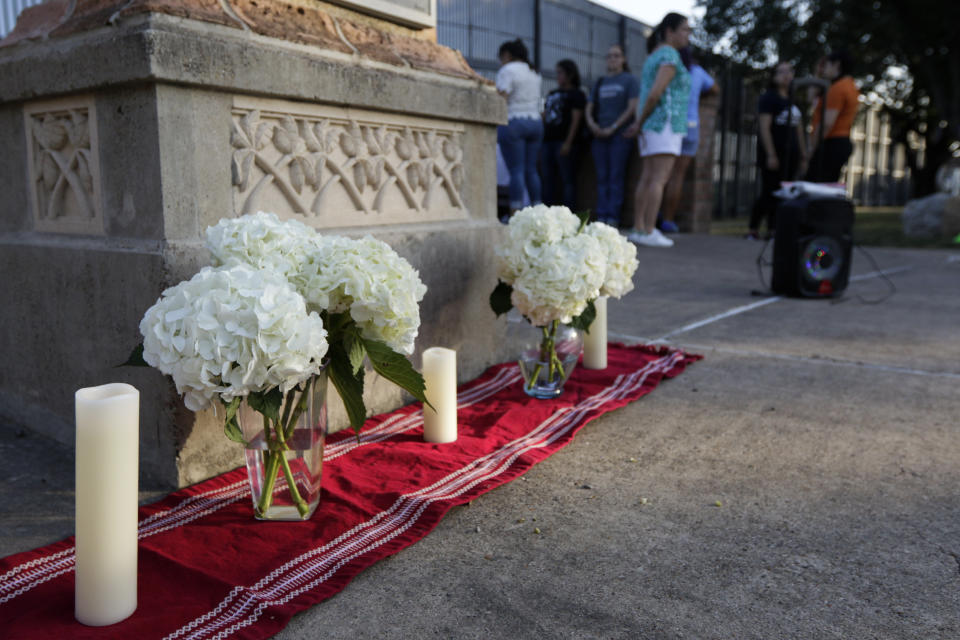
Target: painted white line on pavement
(761, 303)
(824, 360)
(720, 316)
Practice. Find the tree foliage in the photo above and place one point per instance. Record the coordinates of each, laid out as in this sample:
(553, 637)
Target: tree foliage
(906, 56)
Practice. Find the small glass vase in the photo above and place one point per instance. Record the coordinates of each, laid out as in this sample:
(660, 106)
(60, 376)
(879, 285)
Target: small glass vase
(285, 457)
(547, 357)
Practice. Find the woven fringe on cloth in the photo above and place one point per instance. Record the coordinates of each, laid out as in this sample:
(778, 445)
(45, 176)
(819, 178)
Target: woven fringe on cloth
(207, 569)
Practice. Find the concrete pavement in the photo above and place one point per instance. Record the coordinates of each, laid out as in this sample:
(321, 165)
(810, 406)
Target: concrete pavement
(799, 482)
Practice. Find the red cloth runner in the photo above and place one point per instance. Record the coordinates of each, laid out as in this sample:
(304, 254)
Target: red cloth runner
(207, 569)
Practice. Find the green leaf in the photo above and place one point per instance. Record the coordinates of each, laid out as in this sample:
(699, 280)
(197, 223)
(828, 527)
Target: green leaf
(584, 219)
(348, 383)
(267, 403)
(231, 425)
(135, 359)
(500, 298)
(397, 369)
(585, 319)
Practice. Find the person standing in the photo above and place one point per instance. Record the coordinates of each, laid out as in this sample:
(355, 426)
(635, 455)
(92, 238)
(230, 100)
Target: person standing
(521, 137)
(781, 152)
(562, 116)
(843, 100)
(661, 124)
(611, 106)
(700, 84)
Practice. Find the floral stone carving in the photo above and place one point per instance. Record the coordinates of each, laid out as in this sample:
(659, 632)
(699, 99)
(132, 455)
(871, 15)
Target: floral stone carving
(64, 165)
(340, 168)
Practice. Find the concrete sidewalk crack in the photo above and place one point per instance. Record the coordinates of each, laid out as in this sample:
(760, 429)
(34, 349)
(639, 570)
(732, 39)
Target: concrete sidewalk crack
(955, 556)
(940, 548)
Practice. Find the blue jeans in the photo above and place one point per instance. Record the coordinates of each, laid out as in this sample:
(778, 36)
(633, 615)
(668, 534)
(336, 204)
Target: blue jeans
(519, 143)
(559, 174)
(610, 157)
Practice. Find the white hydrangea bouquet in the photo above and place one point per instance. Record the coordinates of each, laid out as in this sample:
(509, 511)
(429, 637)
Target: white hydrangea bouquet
(279, 304)
(553, 265)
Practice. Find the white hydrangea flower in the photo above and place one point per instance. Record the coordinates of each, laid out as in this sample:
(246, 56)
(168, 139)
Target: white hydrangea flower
(263, 241)
(381, 290)
(622, 260)
(366, 277)
(528, 232)
(230, 331)
(553, 268)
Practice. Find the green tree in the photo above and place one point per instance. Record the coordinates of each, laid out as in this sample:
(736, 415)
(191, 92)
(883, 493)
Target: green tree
(906, 52)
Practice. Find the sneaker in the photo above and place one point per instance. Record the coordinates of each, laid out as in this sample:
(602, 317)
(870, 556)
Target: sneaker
(662, 240)
(668, 226)
(653, 239)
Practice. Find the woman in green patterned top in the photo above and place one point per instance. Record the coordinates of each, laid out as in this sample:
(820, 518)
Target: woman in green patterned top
(661, 124)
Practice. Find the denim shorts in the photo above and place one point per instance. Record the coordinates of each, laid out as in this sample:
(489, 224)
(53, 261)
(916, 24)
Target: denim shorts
(691, 141)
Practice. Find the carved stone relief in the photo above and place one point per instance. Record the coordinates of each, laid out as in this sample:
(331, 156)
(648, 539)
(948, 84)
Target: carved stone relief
(344, 167)
(64, 165)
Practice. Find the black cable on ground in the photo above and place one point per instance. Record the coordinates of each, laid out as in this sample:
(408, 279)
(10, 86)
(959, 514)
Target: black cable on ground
(761, 263)
(876, 267)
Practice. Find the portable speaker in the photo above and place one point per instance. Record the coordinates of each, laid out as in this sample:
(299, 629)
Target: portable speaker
(812, 247)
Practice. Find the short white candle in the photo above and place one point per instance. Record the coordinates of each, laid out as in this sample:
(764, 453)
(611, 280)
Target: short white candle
(595, 341)
(440, 376)
(107, 463)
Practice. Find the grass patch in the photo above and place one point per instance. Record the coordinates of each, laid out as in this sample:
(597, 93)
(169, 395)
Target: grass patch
(873, 226)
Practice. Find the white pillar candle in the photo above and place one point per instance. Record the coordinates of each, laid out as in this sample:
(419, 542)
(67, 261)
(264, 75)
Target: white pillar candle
(595, 341)
(107, 463)
(440, 376)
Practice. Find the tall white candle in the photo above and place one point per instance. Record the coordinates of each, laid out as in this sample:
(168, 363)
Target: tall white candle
(107, 463)
(595, 341)
(440, 376)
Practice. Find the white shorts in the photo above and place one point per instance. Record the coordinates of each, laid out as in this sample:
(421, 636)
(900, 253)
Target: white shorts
(654, 143)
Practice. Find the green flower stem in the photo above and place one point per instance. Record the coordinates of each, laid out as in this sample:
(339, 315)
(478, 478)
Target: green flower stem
(290, 423)
(302, 506)
(271, 464)
(275, 459)
(533, 378)
(288, 404)
(550, 347)
(548, 355)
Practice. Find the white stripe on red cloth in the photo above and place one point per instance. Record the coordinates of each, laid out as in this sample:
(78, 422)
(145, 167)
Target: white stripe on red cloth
(39, 570)
(301, 574)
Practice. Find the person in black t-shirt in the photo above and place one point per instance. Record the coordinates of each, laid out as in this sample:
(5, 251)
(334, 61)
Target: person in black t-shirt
(562, 116)
(781, 151)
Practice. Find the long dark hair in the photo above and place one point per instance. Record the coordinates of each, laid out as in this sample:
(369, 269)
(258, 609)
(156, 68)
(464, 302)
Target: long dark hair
(772, 78)
(517, 51)
(670, 21)
(843, 57)
(570, 68)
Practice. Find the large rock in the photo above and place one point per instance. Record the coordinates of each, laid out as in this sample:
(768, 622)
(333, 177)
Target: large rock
(930, 217)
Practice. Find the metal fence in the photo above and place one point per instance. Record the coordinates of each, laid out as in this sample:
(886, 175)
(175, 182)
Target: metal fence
(877, 173)
(9, 10)
(551, 29)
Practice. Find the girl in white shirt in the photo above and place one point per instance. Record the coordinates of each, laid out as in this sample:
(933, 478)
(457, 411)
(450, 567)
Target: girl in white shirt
(521, 137)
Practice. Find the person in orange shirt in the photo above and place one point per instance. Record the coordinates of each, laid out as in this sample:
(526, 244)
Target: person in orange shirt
(843, 97)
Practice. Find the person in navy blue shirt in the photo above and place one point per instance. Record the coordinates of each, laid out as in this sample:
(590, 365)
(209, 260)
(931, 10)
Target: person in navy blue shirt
(610, 109)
